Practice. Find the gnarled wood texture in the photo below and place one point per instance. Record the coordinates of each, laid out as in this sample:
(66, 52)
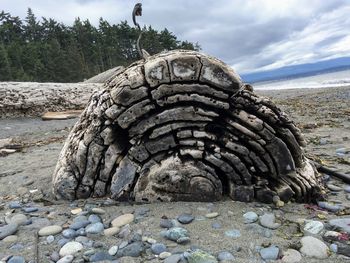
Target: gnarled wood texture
(181, 126)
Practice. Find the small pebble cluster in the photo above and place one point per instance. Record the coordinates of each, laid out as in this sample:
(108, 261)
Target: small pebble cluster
(92, 233)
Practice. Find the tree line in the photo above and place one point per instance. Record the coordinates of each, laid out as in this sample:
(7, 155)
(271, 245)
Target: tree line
(49, 51)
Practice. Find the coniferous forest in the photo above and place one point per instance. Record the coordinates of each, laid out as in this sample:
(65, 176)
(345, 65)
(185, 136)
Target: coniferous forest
(46, 50)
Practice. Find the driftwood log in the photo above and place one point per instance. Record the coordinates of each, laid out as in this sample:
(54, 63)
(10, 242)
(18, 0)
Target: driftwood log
(181, 126)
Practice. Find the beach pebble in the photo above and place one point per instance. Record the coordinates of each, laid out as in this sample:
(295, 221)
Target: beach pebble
(76, 211)
(66, 259)
(62, 242)
(185, 218)
(313, 227)
(330, 207)
(225, 255)
(216, 225)
(269, 253)
(94, 219)
(334, 188)
(8, 230)
(113, 250)
(69, 233)
(50, 239)
(55, 256)
(233, 233)
(265, 232)
(164, 255)
(158, 248)
(50, 230)
(200, 256)
(291, 256)
(18, 219)
(16, 259)
(123, 220)
(334, 248)
(100, 256)
(268, 220)
(166, 223)
(98, 211)
(81, 232)
(183, 240)
(212, 215)
(111, 231)
(342, 223)
(70, 248)
(175, 233)
(250, 217)
(132, 250)
(30, 209)
(15, 205)
(313, 247)
(79, 224)
(174, 258)
(10, 239)
(95, 228)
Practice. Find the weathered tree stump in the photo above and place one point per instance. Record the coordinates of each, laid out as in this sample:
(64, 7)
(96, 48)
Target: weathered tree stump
(181, 126)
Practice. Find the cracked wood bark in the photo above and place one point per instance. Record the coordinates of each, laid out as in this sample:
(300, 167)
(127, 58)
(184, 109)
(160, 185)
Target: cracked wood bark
(181, 126)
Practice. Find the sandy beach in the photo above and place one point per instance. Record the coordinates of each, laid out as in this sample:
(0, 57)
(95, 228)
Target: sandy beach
(323, 115)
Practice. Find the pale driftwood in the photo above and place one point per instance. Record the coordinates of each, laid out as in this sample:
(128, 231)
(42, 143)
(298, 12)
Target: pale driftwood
(34, 99)
(181, 126)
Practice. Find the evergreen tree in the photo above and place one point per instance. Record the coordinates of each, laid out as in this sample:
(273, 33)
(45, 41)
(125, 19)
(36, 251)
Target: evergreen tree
(48, 51)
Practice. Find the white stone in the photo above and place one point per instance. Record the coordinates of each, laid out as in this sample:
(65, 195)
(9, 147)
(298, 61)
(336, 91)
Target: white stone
(291, 256)
(313, 227)
(123, 220)
(50, 230)
(164, 255)
(113, 250)
(212, 215)
(313, 247)
(111, 231)
(70, 248)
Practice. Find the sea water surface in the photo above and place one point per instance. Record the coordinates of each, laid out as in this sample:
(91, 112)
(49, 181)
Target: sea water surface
(325, 80)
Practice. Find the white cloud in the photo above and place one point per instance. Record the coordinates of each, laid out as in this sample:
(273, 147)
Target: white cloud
(248, 34)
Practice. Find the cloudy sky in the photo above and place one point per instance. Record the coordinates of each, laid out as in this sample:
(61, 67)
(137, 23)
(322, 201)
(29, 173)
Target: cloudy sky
(250, 35)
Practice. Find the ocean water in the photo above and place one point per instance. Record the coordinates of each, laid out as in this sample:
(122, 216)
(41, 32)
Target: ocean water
(326, 80)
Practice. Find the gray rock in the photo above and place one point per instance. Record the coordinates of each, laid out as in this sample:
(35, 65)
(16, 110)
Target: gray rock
(183, 240)
(54, 256)
(30, 209)
(343, 249)
(100, 256)
(15, 205)
(62, 242)
(175, 233)
(175, 258)
(268, 220)
(158, 248)
(8, 230)
(17, 246)
(16, 259)
(269, 253)
(66, 259)
(70, 248)
(166, 223)
(250, 217)
(216, 225)
(185, 218)
(225, 255)
(233, 233)
(265, 232)
(50, 239)
(18, 219)
(96, 228)
(37, 223)
(342, 224)
(313, 227)
(69, 233)
(200, 256)
(313, 247)
(291, 256)
(330, 207)
(334, 188)
(79, 224)
(132, 250)
(50, 230)
(347, 188)
(94, 219)
(81, 232)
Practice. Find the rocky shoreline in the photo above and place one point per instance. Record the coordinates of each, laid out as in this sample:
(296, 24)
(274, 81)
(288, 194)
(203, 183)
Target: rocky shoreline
(36, 228)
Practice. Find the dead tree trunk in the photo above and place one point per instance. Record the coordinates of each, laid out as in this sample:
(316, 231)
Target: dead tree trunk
(181, 126)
